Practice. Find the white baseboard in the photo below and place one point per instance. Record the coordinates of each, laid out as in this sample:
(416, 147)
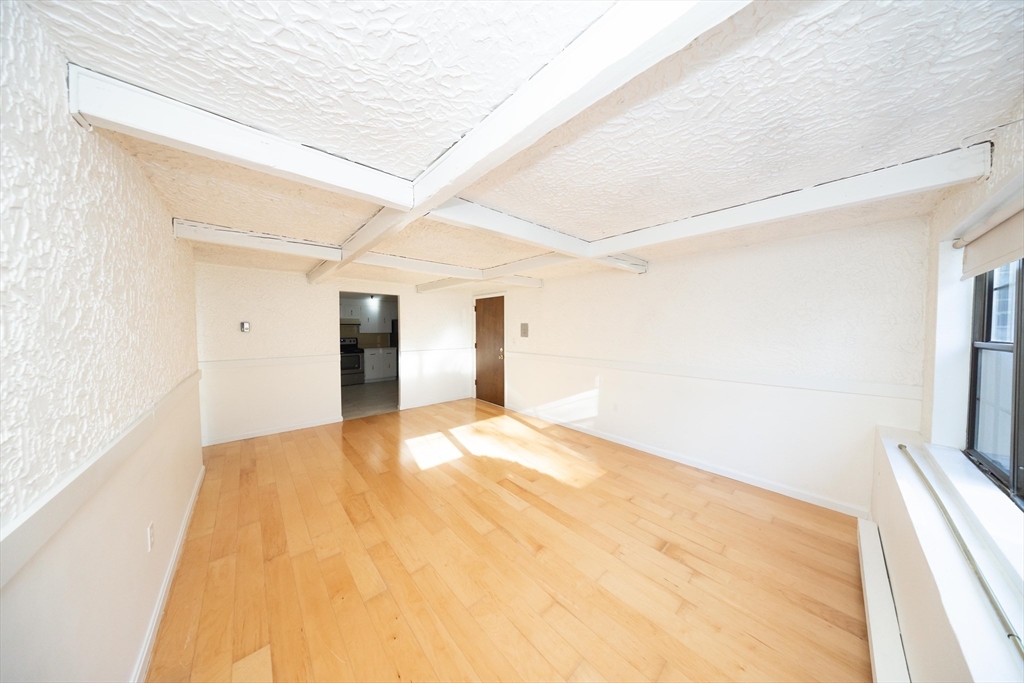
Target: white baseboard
(142, 666)
(265, 431)
(888, 660)
(785, 490)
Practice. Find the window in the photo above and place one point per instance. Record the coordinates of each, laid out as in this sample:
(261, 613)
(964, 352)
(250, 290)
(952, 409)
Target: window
(995, 432)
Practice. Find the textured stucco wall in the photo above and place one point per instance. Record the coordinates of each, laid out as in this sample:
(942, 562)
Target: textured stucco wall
(1007, 161)
(97, 300)
(217, 192)
(947, 338)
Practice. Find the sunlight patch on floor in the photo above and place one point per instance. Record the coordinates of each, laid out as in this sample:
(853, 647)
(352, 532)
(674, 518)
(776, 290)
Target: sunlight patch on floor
(432, 450)
(508, 439)
(581, 408)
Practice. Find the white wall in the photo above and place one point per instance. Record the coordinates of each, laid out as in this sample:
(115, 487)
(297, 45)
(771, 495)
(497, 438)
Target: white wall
(772, 363)
(929, 641)
(950, 301)
(86, 606)
(285, 373)
(933, 593)
(98, 325)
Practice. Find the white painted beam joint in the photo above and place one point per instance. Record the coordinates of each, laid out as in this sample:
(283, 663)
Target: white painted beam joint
(105, 102)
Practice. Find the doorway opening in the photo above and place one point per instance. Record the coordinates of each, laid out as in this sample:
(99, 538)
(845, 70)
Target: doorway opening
(490, 349)
(368, 335)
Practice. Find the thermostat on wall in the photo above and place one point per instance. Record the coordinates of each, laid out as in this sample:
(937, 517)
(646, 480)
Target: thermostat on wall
(245, 327)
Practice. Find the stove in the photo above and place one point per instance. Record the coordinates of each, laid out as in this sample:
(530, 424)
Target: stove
(351, 362)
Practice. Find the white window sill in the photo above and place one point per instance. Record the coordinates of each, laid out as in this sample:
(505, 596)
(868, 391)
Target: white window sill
(995, 519)
(992, 528)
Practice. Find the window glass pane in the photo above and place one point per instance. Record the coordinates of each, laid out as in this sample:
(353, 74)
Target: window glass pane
(994, 408)
(1004, 301)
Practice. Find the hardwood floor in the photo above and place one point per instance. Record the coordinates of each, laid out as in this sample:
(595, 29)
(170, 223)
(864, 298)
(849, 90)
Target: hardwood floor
(463, 542)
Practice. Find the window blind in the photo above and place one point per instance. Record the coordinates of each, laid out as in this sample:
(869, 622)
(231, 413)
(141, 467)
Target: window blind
(997, 247)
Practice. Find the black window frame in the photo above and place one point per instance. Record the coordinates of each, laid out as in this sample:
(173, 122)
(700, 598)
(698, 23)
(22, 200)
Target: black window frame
(1011, 483)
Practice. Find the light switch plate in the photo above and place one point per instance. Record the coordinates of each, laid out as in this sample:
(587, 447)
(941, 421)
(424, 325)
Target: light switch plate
(245, 327)
(524, 329)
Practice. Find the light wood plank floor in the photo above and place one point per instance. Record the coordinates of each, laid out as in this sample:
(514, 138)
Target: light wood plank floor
(463, 542)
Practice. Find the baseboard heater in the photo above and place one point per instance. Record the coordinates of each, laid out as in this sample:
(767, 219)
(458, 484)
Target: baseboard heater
(888, 660)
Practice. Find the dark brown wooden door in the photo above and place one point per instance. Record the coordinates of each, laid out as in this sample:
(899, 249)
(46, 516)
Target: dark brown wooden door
(490, 350)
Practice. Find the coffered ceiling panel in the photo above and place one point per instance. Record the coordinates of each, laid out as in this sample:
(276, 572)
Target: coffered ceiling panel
(269, 260)
(387, 84)
(200, 189)
(361, 271)
(250, 258)
(875, 213)
(433, 241)
(781, 97)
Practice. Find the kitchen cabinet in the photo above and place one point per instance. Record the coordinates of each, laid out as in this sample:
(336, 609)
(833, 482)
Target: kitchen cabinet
(380, 365)
(351, 309)
(377, 316)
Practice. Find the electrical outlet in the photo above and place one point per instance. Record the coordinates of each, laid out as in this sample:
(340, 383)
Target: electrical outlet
(149, 537)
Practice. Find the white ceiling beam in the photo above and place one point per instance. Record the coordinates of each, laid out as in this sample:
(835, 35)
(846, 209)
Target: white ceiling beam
(625, 262)
(515, 280)
(215, 234)
(463, 214)
(442, 284)
(332, 255)
(930, 173)
(628, 39)
(104, 102)
(519, 281)
(322, 270)
(418, 266)
(524, 265)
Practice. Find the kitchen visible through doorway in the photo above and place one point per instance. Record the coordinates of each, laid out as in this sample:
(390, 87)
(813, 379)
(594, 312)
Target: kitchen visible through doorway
(368, 338)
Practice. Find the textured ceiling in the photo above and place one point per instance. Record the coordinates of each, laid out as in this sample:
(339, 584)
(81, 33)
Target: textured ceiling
(268, 260)
(780, 97)
(251, 258)
(875, 213)
(571, 268)
(359, 271)
(391, 85)
(432, 241)
(200, 189)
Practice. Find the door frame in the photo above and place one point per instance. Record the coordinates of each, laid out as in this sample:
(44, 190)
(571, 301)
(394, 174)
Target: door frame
(504, 338)
(398, 347)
